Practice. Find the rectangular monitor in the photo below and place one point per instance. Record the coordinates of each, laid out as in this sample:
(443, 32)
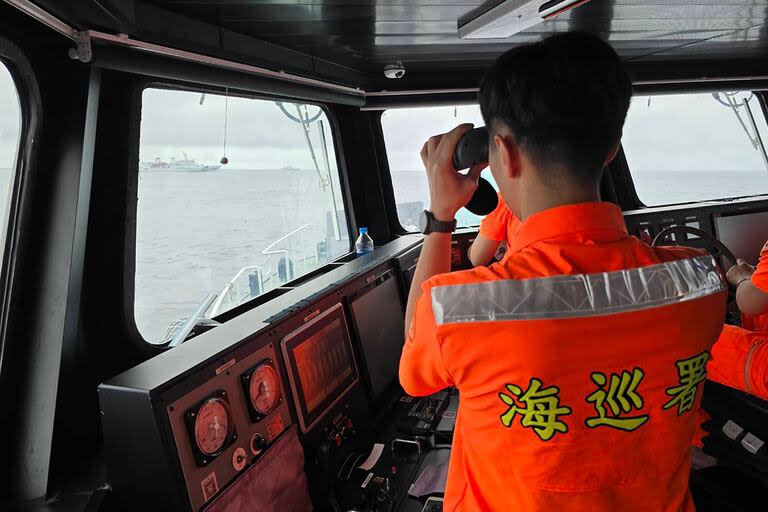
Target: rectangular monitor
(378, 318)
(321, 365)
(744, 234)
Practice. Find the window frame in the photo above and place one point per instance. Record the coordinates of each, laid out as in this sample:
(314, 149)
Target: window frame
(386, 172)
(30, 112)
(129, 275)
(621, 175)
(385, 176)
(628, 184)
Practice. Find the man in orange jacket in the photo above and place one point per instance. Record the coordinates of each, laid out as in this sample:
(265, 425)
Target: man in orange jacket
(752, 290)
(499, 226)
(740, 356)
(578, 372)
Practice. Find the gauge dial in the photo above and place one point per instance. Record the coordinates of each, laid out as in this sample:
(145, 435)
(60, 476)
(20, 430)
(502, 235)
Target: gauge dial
(264, 389)
(213, 426)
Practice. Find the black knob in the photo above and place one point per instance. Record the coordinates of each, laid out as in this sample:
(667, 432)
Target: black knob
(258, 444)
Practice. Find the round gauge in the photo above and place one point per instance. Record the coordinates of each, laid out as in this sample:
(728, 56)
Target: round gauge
(212, 426)
(264, 389)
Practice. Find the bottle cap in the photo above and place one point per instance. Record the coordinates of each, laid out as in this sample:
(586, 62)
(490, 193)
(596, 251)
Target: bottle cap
(363, 231)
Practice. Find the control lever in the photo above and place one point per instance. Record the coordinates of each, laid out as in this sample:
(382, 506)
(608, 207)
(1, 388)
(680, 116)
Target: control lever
(406, 448)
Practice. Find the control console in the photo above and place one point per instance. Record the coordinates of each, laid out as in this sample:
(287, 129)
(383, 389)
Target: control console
(225, 424)
(423, 414)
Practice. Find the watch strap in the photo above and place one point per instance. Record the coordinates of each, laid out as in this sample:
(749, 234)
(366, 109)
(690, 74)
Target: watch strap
(439, 226)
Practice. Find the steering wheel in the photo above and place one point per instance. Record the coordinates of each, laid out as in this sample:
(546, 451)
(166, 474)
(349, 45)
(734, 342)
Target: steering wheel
(716, 248)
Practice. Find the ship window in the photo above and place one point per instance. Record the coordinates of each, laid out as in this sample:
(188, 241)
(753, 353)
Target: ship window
(696, 147)
(405, 131)
(10, 135)
(236, 196)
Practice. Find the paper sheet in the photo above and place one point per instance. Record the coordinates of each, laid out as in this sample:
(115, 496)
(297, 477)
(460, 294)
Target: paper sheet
(373, 458)
(432, 480)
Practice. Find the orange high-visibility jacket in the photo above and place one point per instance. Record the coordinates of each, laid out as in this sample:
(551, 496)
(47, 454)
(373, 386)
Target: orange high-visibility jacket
(740, 356)
(740, 360)
(500, 225)
(579, 360)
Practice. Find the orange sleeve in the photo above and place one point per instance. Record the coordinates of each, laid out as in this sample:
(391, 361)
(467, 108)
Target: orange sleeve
(494, 225)
(760, 277)
(740, 361)
(422, 370)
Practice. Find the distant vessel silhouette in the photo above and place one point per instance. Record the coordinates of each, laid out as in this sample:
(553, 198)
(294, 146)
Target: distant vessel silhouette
(183, 165)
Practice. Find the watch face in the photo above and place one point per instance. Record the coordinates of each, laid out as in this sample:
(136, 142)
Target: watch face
(423, 221)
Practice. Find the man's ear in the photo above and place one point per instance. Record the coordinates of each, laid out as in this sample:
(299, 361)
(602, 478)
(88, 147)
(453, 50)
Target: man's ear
(509, 155)
(613, 152)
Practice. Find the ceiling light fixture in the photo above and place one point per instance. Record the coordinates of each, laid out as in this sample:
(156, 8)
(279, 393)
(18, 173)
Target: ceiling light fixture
(513, 16)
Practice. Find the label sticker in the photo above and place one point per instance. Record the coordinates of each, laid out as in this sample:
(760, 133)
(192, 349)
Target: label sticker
(406, 399)
(275, 427)
(449, 414)
(229, 364)
(210, 486)
(378, 480)
(367, 479)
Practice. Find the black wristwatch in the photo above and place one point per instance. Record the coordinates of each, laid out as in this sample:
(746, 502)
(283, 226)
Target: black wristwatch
(429, 224)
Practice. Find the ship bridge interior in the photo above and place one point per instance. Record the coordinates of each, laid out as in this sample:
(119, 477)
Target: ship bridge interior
(185, 323)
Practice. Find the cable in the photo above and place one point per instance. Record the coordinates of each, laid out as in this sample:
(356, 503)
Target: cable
(224, 160)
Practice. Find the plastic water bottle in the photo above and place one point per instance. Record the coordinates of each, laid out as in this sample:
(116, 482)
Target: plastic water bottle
(364, 243)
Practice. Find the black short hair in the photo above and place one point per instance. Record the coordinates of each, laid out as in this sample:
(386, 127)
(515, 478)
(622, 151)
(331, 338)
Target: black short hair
(564, 99)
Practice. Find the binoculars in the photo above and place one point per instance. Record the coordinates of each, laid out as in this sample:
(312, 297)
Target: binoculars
(472, 149)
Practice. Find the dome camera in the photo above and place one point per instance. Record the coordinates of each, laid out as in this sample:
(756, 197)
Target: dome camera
(394, 71)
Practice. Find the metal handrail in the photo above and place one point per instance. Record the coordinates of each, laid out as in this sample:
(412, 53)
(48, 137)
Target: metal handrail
(215, 310)
(182, 333)
(268, 251)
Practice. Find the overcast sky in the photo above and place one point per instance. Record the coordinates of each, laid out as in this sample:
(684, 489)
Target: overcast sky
(675, 132)
(259, 135)
(9, 119)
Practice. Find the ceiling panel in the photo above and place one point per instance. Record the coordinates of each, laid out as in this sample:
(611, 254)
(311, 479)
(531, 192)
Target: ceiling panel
(365, 35)
(370, 29)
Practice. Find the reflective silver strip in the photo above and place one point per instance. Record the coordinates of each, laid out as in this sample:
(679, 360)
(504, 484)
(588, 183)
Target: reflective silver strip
(580, 295)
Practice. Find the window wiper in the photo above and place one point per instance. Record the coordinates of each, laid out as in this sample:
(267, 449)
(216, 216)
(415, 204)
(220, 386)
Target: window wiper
(758, 140)
(184, 330)
(731, 102)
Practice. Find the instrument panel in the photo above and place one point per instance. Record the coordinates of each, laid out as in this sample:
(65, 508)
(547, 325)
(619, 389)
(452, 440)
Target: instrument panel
(224, 425)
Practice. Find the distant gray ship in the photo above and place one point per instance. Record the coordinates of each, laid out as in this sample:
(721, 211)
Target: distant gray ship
(183, 165)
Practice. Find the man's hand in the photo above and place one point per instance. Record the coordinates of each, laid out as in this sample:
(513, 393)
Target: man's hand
(448, 189)
(750, 299)
(739, 272)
